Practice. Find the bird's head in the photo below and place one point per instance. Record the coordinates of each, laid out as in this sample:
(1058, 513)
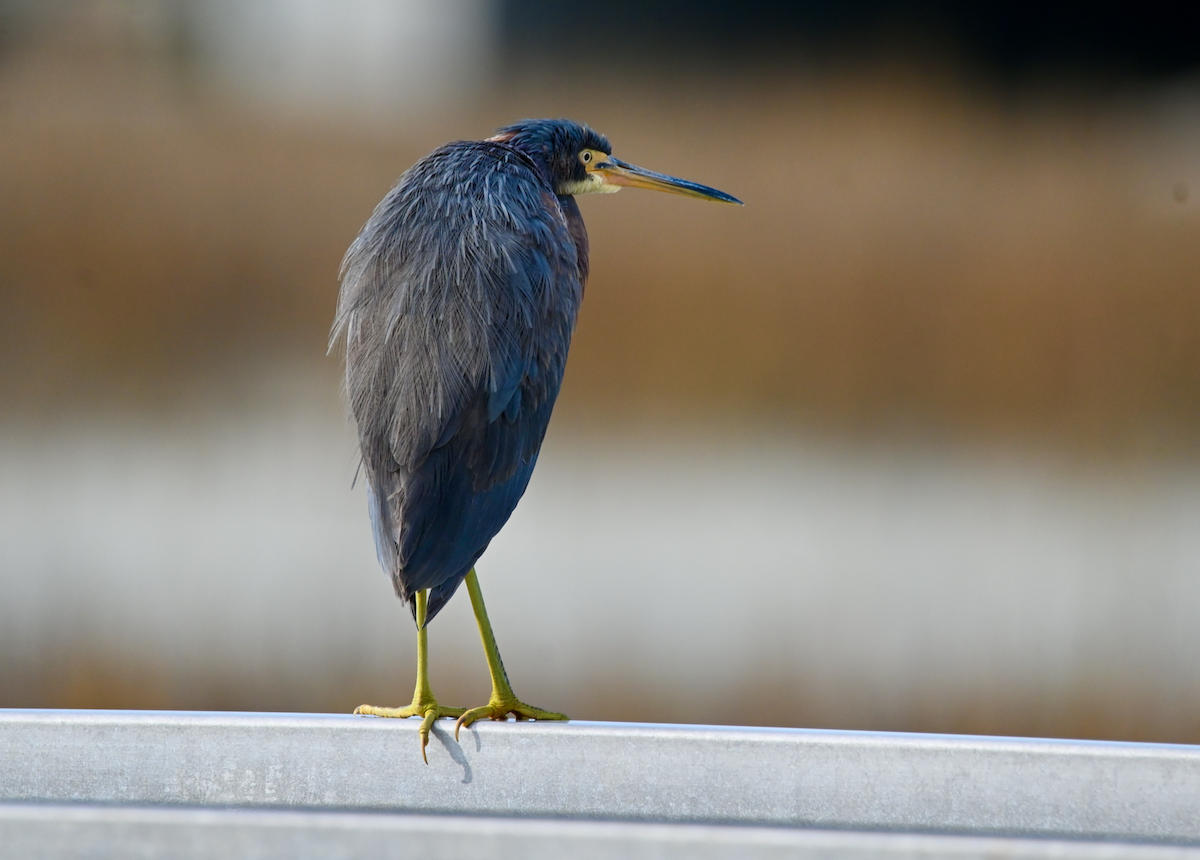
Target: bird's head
(578, 160)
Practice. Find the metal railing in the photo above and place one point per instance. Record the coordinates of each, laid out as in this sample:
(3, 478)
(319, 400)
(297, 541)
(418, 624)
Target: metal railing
(71, 769)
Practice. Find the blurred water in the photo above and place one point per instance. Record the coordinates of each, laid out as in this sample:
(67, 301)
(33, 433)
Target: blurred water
(720, 576)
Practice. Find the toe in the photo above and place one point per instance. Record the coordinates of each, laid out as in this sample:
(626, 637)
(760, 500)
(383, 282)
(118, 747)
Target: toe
(471, 716)
(374, 711)
(529, 712)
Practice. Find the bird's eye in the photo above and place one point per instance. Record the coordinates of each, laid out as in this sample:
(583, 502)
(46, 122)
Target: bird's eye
(586, 156)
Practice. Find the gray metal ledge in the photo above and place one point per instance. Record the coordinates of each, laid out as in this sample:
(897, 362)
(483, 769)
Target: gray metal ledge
(932, 784)
(32, 832)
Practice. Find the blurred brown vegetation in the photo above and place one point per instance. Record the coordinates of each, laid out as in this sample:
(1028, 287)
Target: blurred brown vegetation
(914, 255)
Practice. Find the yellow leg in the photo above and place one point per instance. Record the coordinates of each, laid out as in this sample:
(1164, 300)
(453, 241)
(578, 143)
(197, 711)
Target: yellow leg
(503, 701)
(423, 703)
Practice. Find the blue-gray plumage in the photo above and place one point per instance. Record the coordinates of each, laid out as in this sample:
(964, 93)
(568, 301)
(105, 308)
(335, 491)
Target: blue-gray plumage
(458, 302)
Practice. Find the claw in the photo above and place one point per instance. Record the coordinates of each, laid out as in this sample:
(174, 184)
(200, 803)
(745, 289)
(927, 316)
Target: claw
(426, 725)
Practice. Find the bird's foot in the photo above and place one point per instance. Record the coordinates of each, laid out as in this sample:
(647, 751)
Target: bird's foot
(428, 709)
(499, 707)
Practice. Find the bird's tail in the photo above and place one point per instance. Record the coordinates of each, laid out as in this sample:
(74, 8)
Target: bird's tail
(384, 530)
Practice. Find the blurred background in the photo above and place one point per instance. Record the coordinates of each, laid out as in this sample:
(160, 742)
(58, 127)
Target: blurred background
(910, 442)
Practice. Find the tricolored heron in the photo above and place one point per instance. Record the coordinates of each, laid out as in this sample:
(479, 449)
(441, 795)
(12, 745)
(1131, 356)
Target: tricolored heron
(457, 305)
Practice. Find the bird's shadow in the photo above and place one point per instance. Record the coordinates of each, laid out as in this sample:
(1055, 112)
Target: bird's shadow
(446, 739)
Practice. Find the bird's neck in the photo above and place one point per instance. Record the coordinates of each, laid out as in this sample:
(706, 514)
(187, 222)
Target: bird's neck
(578, 233)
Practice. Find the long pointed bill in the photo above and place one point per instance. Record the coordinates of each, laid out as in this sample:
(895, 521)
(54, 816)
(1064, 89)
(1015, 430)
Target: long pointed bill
(616, 172)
